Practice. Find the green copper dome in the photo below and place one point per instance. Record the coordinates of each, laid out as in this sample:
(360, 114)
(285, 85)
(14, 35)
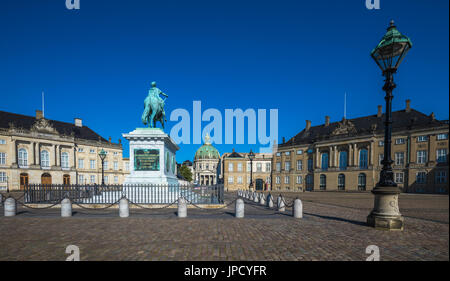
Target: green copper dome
(207, 151)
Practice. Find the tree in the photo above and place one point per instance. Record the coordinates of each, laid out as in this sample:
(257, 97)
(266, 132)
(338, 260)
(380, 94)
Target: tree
(186, 173)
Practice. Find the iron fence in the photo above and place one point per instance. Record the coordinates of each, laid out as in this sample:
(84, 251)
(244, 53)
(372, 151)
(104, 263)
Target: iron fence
(136, 193)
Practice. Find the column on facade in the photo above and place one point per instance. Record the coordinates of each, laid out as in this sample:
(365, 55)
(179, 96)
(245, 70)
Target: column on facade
(317, 158)
(355, 155)
(371, 153)
(335, 156)
(350, 155)
(14, 151)
(74, 158)
(32, 153)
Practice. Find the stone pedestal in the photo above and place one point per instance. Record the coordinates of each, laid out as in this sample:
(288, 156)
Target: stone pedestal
(152, 157)
(386, 214)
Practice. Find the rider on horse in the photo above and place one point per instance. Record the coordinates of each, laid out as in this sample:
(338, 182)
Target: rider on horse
(154, 107)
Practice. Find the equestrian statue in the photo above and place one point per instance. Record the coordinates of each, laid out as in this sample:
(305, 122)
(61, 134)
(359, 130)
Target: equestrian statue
(154, 107)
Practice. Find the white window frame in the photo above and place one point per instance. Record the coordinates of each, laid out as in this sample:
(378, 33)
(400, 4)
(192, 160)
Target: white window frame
(92, 164)
(116, 165)
(239, 167)
(287, 165)
(442, 136)
(399, 161)
(65, 160)
(286, 179)
(422, 138)
(399, 177)
(45, 159)
(230, 179)
(422, 158)
(441, 152)
(2, 158)
(299, 165)
(230, 167)
(3, 177)
(400, 141)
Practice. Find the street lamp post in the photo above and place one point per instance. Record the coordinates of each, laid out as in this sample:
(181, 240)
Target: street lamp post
(251, 156)
(102, 155)
(388, 55)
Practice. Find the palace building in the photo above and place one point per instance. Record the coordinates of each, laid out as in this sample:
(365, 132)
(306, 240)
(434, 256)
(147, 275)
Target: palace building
(37, 150)
(206, 164)
(237, 170)
(347, 155)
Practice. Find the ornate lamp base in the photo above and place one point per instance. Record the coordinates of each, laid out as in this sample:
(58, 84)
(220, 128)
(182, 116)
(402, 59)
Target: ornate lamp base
(385, 214)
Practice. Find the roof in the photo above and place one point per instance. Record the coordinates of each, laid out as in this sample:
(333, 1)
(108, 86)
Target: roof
(62, 128)
(367, 125)
(207, 151)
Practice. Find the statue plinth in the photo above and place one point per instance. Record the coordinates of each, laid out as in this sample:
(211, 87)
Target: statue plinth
(152, 157)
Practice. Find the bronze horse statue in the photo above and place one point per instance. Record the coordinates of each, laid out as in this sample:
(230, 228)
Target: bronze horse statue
(154, 107)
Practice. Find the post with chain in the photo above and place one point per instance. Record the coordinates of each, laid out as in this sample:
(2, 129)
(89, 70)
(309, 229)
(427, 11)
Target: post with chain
(239, 208)
(124, 210)
(182, 208)
(10, 207)
(280, 204)
(66, 208)
(297, 210)
(262, 200)
(269, 201)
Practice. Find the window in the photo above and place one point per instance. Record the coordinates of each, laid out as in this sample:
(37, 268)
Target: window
(278, 180)
(442, 136)
(116, 179)
(341, 182)
(421, 156)
(286, 179)
(278, 166)
(399, 158)
(115, 153)
(310, 165)
(381, 143)
(324, 161)
(116, 165)
(3, 177)
(441, 177)
(422, 138)
(268, 167)
(81, 179)
(127, 166)
(248, 179)
(248, 167)
(299, 165)
(287, 153)
(230, 167)
(400, 141)
(105, 165)
(343, 160)
(2, 141)
(2, 158)
(92, 179)
(23, 157)
(81, 163)
(421, 177)
(299, 180)
(362, 181)
(323, 182)
(45, 159)
(441, 155)
(363, 159)
(230, 179)
(380, 159)
(258, 167)
(399, 177)
(278, 153)
(310, 182)
(65, 160)
(80, 149)
(239, 180)
(287, 166)
(106, 178)
(91, 150)
(299, 152)
(92, 164)
(239, 167)
(206, 168)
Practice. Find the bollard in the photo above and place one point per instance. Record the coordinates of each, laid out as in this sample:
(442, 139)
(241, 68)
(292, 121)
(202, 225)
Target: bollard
(66, 208)
(256, 198)
(182, 208)
(124, 210)
(10, 207)
(280, 204)
(269, 201)
(262, 200)
(239, 208)
(297, 210)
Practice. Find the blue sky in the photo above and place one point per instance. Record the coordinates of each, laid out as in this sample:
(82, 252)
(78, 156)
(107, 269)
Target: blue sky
(300, 57)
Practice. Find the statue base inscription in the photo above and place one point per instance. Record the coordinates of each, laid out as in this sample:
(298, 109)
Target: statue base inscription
(152, 157)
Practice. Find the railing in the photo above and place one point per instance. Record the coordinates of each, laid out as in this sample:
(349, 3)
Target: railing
(135, 193)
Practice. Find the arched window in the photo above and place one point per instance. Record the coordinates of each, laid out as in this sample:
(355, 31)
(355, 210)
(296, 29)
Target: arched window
(324, 161)
(45, 159)
(343, 160)
(362, 181)
(65, 160)
(23, 157)
(323, 182)
(309, 182)
(363, 159)
(341, 182)
(310, 164)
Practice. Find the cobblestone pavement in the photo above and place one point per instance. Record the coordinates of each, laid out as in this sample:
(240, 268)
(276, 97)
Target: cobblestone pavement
(333, 228)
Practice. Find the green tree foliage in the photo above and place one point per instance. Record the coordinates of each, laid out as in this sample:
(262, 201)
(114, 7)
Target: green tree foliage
(186, 173)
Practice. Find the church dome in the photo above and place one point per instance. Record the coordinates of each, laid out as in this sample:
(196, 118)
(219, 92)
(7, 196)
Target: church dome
(207, 151)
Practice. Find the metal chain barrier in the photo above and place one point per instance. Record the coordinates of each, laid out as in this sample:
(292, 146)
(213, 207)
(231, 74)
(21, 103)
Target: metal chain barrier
(210, 209)
(152, 209)
(35, 208)
(95, 209)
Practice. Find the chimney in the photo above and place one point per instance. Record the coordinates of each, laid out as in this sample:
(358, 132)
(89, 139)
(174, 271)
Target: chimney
(380, 111)
(327, 120)
(408, 105)
(432, 116)
(39, 114)
(109, 139)
(284, 140)
(78, 122)
(120, 141)
(233, 149)
(308, 125)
